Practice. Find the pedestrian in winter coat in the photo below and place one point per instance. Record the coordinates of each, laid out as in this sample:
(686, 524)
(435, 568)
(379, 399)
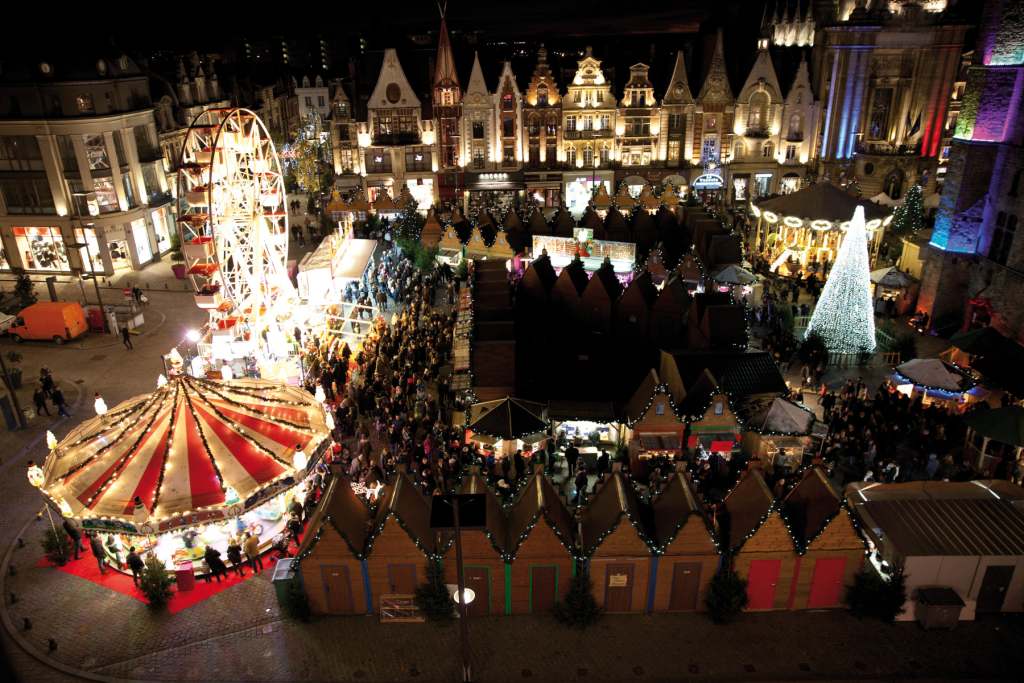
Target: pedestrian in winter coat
(57, 396)
(126, 338)
(98, 551)
(581, 486)
(76, 536)
(136, 564)
(235, 556)
(39, 398)
(216, 565)
(252, 552)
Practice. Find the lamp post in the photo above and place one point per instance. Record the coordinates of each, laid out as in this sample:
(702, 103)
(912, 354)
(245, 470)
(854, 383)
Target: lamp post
(37, 479)
(22, 422)
(84, 244)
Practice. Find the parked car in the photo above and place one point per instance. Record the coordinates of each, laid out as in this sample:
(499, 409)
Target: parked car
(60, 321)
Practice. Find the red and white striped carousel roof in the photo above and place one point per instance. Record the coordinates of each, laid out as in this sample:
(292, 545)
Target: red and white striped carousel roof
(182, 447)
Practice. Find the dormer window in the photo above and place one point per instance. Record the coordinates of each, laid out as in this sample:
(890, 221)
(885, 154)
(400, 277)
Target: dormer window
(542, 96)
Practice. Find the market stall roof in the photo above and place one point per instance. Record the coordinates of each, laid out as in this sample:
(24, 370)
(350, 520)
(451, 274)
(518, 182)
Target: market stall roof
(984, 341)
(623, 199)
(747, 506)
(602, 200)
(384, 203)
(511, 221)
(496, 522)
(776, 415)
(942, 518)
(734, 275)
(563, 224)
(430, 236)
(538, 226)
(344, 512)
(821, 201)
(539, 500)
(884, 199)
(507, 418)
(336, 205)
(402, 501)
(614, 500)
(359, 203)
(934, 373)
(1005, 425)
(810, 506)
(891, 277)
(673, 507)
(192, 444)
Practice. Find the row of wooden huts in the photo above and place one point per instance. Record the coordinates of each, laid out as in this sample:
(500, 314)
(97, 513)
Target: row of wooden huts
(660, 556)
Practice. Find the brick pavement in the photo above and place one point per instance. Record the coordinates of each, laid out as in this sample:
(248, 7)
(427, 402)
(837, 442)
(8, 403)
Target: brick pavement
(239, 635)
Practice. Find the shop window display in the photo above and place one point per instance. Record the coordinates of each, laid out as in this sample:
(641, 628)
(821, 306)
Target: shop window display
(42, 248)
(106, 195)
(140, 231)
(88, 236)
(163, 237)
(96, 152)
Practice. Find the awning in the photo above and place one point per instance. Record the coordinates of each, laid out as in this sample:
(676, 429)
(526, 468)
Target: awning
(721, 446)
(659, 442)
(717, 442)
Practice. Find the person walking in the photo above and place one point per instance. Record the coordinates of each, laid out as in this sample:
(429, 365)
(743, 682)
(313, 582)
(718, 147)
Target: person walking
(216, 565)
(57, 396)
(46, 381)
(39, 398)
(252, 552)
(235, 555)
(135, 564)
(572, 455)
(126, 337)
(76, 536)
(98, 551)
(581, 486)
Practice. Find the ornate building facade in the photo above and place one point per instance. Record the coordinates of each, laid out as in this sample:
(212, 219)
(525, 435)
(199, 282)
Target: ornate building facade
(974, 272)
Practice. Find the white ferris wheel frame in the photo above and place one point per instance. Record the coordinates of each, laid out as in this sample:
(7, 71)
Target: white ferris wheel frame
(228, 154)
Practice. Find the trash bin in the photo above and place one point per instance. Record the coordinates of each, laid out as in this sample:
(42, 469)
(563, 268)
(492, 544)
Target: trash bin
(938, 608)
(282, 578)
(184, 576)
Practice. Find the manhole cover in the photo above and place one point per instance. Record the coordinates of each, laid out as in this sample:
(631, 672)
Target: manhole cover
(79, 381)
(99, 356)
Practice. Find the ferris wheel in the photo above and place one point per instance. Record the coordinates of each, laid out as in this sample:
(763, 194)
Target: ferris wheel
(233, 220)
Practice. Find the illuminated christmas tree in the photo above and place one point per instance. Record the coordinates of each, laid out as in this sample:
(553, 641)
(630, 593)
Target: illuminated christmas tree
(909, 216)
(844, 316)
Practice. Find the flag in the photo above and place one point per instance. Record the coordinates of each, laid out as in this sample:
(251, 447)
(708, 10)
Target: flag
(916, 128)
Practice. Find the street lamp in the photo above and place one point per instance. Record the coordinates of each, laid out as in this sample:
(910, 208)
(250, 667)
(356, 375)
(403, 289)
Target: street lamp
(100, 405)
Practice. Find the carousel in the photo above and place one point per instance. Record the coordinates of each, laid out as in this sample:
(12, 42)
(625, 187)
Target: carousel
(190, 465)
(802, 231)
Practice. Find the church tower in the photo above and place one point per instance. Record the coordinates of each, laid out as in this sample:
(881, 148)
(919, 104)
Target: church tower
(447, 101)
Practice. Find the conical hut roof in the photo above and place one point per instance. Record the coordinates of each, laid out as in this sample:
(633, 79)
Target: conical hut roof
(591, 220)
(669, 197)
(564, 223)
(384, 203)
(647, 200)
(336, 205)
(537, 224)
(192, 444)
(644, 231)
(431, 234)
(405, 197)
(602, 200)
(623, 200)
(511, 221)
(615, 227)
(359, 203)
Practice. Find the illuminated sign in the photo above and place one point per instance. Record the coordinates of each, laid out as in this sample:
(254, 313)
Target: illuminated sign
(708, 181)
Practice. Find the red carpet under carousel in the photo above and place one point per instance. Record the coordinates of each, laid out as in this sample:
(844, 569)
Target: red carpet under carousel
(86, 568)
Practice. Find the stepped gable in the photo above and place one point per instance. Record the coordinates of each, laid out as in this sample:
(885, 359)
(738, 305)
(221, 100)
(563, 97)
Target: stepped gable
(593, 222)
(538, 502)
(810, 506)
(511, 221)
(747, 507)
(642, 289)
(605, 274)
(540, 277)
(615, 227)
(614, 503)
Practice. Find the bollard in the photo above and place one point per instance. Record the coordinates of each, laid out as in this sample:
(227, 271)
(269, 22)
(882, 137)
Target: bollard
(27, 624)
(52, 644)
(11, 571)
(14, 598)
(21, 542)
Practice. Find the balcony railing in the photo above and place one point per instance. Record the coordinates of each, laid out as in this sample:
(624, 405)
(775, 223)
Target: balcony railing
(885, 149)
(159, 198)
(795, 137)
(397, 139)
(756, 132)
(587, 134)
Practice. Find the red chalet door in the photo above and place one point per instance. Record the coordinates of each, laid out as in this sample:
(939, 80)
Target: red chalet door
(827, 582)
(764, 577)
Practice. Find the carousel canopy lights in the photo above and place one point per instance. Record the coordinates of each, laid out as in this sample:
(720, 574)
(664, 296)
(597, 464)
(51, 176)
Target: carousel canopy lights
(51, 440)
(182, 447)
(193, 336)
(821, 206)
(161, 380)
(100, 405)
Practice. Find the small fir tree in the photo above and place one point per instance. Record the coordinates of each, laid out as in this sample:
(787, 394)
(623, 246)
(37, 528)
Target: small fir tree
(578, 609)
(844, 315)
(432, 597)
(872, 595)
(409, 224)
(57, 547)
(155, 582)
(296, 602)
(726, 597)
(908, 217)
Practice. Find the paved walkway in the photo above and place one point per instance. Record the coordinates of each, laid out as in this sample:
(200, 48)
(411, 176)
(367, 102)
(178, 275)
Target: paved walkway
(239, 635)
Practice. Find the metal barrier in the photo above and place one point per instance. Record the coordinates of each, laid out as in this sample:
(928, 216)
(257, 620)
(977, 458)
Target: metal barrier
(355, 321)
(399, 609)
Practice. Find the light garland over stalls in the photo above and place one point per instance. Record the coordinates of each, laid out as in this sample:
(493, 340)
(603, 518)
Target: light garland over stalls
(844, 315)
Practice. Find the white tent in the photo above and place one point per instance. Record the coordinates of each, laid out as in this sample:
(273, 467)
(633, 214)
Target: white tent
(733, 275)
(932, 373)
(885, 200)
(780, 416)
(891, 277)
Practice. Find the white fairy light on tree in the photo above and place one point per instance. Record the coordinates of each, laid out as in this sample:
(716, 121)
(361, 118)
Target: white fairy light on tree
(844, 316)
